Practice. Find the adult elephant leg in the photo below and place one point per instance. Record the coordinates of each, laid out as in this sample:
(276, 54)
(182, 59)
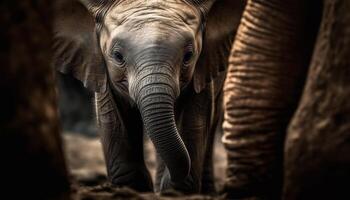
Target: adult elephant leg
(317, 159)
(267, 68)
(122, 140)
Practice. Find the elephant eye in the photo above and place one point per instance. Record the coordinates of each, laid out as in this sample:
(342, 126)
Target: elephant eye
(188, 57)
(119, 58)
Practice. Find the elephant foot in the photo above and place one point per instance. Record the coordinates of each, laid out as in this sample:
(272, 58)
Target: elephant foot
(132, 176)
(187, 186)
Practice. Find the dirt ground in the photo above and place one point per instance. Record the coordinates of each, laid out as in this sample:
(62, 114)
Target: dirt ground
(86, 165)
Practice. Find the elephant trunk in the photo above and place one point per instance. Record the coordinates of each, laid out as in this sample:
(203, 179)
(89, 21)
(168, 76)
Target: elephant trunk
(155, 92)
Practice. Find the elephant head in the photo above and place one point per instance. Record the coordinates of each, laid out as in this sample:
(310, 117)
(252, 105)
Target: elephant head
(146, 51)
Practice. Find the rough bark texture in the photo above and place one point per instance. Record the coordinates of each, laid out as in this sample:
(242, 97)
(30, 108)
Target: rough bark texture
(30, 144)
(267, 65)
(317, 159)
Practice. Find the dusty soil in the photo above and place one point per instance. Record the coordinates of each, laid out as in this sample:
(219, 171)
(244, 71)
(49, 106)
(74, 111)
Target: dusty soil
(86, 165)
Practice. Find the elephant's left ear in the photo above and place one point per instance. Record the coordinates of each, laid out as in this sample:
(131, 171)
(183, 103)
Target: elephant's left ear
(222, 20)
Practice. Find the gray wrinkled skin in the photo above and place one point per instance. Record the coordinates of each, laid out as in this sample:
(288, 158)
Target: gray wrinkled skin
(265, 78)
(150, 32)
(156, 67)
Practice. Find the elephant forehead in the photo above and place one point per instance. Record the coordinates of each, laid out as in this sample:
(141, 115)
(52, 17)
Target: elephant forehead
(139, 12)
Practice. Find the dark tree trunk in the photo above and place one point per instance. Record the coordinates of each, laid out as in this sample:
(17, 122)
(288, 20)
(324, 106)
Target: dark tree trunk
(317, 159)
(32, 163)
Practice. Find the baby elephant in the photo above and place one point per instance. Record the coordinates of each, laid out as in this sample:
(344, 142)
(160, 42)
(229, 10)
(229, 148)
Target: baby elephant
(156, 67)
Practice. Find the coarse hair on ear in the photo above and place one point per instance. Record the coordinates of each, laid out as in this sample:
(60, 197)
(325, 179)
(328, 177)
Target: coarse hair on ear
(222, 18)
(76, 47)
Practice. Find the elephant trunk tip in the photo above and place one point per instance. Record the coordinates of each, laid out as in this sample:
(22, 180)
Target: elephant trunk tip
(174, 153)
(182, 169)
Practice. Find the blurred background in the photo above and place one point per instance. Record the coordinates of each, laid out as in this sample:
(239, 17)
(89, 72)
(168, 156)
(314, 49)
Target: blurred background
(81, 139)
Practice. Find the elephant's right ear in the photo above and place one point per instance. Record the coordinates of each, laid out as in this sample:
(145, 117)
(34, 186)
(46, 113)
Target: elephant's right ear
(222, 20)
(76, 49)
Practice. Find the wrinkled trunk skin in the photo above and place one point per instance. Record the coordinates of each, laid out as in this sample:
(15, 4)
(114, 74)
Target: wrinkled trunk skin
(317, 159)
(32, 161)
(155, 91)
(265, 75)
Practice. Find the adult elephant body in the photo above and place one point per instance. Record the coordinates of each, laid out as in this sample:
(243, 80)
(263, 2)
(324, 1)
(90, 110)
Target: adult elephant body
(155, 67)
(270, 59)
(268, 66)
